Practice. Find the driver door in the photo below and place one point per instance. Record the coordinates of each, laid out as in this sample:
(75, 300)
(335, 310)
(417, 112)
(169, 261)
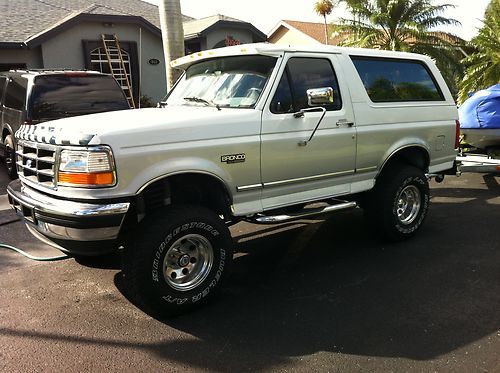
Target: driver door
(293, 169)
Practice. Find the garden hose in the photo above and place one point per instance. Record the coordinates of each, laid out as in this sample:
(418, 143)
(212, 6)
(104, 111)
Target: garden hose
(39, 259)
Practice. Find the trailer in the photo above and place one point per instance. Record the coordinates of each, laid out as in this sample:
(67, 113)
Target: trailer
(478, 163)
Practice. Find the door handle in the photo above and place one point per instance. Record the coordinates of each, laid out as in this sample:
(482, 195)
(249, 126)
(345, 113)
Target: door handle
(344, 122)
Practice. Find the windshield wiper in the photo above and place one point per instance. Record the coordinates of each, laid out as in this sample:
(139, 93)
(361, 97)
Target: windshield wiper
(202, 100)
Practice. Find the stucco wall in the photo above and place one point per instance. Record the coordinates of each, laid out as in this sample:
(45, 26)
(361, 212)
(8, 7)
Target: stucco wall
(32, 58)
(216, 36)
(65, 50)
(285, 36)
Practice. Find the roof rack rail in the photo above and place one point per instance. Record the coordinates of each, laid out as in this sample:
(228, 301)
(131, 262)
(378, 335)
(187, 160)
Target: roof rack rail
(51, 70)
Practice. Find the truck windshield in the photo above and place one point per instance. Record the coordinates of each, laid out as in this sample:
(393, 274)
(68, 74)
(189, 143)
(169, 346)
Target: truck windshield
(60, 96)
(234, 82)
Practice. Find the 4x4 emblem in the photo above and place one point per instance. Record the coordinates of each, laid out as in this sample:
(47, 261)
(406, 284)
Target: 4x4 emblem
(233, 158)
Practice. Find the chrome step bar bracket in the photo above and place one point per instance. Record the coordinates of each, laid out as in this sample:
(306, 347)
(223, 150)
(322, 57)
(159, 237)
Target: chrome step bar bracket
(273, 219)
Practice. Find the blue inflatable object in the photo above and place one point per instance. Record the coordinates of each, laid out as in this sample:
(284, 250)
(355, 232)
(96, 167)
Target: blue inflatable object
(481, 110)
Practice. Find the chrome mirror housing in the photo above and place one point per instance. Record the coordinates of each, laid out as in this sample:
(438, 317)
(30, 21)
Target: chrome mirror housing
(320, 96)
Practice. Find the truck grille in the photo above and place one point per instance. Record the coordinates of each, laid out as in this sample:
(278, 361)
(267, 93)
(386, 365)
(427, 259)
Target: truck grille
(37, 163)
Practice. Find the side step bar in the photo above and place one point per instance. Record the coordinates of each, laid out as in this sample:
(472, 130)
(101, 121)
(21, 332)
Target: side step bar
(272, 219)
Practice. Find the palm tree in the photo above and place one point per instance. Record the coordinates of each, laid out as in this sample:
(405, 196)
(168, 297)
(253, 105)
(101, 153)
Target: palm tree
(403, 25)
(324, 8)
(483, 65)
(394, 24)
(173, 36)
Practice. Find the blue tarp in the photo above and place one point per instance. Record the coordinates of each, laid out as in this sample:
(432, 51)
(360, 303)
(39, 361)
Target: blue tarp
(482, 110)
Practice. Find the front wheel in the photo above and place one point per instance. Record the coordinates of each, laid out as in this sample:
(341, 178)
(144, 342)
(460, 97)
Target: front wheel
(178, 259)
(10, 156)
(399, 203)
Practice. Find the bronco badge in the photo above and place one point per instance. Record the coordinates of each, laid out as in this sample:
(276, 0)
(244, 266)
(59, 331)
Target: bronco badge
(233, 158)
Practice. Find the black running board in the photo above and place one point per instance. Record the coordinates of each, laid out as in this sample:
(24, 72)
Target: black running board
(273, 219)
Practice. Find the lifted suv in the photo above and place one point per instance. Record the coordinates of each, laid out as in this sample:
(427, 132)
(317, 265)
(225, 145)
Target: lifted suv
(254, 132)
(35, 96)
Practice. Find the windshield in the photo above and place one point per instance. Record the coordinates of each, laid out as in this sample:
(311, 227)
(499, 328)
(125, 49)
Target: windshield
(234, 82)
(60, 96)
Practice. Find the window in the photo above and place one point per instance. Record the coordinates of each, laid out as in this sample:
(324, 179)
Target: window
(58, 96)
(15, 96)
(233, 82)
(96, 59)
(393, 80)
(99, 62)
(2, 87)
(300, 75)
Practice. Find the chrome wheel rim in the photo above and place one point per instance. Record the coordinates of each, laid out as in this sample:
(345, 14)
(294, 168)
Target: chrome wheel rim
(188, 262)
(408, 204)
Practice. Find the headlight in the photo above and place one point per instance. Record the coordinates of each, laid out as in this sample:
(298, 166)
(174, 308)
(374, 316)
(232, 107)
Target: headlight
(86, 168)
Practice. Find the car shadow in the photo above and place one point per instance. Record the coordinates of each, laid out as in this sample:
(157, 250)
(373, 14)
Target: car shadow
(331, 287)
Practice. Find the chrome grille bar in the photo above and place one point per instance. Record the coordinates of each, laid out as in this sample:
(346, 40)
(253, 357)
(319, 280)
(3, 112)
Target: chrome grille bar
(36, 162)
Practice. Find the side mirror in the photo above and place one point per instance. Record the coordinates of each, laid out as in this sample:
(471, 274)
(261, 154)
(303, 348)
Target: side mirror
(320, 96)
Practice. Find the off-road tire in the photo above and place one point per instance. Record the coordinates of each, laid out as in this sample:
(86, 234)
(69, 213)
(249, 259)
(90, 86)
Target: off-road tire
(10, 157)
(396, 208)
(157, 250)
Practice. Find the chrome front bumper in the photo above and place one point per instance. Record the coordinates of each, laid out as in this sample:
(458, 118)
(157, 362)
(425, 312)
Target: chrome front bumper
(66, 221)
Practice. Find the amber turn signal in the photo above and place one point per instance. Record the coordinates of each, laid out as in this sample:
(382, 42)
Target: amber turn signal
(101, 178)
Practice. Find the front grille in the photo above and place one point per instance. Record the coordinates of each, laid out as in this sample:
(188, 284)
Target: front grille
(37, 163)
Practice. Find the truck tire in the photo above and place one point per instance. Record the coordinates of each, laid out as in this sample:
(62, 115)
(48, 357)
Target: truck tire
(10, 156)
(177, 260)
(398, 205)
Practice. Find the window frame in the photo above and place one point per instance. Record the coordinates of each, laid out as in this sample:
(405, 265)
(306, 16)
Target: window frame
(353, 57)
(292, 86)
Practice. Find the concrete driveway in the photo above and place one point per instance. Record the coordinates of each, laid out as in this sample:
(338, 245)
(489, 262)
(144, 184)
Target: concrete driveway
(324, 296)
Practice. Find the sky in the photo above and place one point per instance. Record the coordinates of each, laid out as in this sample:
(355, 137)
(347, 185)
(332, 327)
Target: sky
(265, 14)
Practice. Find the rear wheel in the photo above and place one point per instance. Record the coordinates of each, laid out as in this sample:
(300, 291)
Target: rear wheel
(399, 202)
(178, 259)
(10, 156)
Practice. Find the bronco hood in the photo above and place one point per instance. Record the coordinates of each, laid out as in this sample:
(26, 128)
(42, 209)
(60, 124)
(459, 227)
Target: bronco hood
(138, 127)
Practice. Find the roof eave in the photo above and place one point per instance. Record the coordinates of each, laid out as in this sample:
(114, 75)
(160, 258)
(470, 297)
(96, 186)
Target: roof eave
(51, 32)
(12, 45)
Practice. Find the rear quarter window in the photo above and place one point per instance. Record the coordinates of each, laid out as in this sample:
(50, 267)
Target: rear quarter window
(397, 80)
(2, 88)
(15, 96)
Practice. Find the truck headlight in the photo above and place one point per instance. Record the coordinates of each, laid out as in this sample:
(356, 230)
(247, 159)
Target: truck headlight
(87, 168)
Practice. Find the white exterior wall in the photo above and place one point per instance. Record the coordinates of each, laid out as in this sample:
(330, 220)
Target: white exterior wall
(65, 50)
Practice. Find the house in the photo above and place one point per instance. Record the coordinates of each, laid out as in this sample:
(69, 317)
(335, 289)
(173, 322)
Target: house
(300, 33)
(68, 34)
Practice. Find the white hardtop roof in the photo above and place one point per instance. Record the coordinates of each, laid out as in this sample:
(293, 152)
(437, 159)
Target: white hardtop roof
(275, 50)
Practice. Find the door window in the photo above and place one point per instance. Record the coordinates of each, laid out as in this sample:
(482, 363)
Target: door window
(300, 75)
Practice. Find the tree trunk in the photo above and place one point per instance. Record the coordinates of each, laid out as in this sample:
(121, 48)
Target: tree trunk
(326, 30)
(172, 34)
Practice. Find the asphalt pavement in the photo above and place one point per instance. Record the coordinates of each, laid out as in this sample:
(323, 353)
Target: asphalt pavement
(321, 295)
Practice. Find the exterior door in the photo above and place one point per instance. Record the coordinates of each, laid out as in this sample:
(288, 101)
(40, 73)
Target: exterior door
(295, 170)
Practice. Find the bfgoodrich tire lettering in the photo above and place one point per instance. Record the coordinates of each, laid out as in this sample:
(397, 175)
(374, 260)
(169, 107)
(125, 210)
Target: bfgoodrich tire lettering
(178, 259)
(398, 205)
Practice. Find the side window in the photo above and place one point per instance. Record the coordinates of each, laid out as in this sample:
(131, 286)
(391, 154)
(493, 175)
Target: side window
(282, 101)
(396, 80)
(300, 75)
(15, 96)
(2, 88)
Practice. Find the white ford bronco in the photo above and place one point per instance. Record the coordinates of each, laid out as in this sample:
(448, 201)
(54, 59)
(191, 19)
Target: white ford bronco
(255, 132)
